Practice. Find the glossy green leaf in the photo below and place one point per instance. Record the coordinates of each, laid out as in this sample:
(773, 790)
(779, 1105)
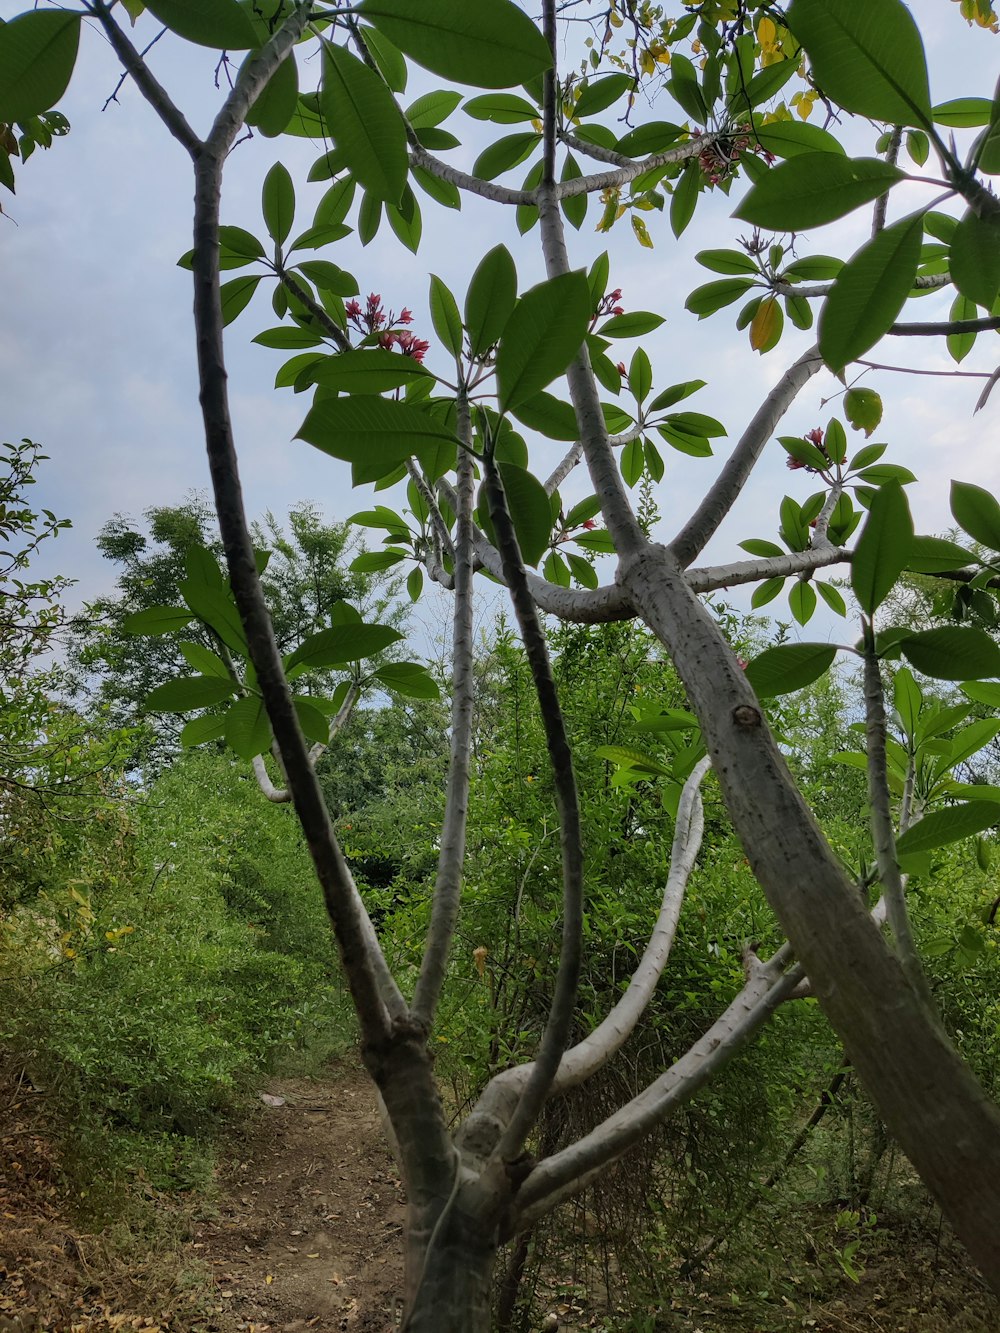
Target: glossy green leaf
(713, 296)
(963, 112)
(675, 394)
(542, 336)
(188, 692)
(640, 375)
(869, 58)
(202, 729)
(883, 548)
(204, 661)
(632, 462)
(633, 324)
(37, 56)
(505, 154)
(491, 299)
(342, 644)
(221, 24)
(236, 295)
(501, 109)
(247, 728)
(832, 597)
(941, 827)
(329, 277)
(432, 108)
(961, 344)
(375, 435)
(368, 370)
(974, 261)
(934, 555)
(984, 692)
(376, 562)
(952, 652)
(157, 620)
(730, 262)
(802, 601)
(869, 292)
(601, 92)
(409, 679)
(789, 138)
(491, 45)
(278, 203)
(276, 105)
(445, 317)
(684, 199)
(366, 124)
(977, 512)
(815, 188)
(548, 415)
(788, 667)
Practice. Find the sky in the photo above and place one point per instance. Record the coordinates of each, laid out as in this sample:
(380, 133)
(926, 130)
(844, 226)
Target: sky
(97, 354)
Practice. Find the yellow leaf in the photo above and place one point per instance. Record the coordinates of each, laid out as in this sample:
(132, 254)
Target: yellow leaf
(805, 109)
(647, 63)
(765, 324)
(642, 235)
(767, 32)
(269, 1279)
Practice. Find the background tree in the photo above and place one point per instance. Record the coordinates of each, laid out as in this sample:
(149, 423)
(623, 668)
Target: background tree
(469, 1193)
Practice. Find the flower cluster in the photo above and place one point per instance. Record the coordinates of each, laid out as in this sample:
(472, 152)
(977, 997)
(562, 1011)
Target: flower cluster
(814, 436)
(718, 159)
(609, 304)
(372, 318)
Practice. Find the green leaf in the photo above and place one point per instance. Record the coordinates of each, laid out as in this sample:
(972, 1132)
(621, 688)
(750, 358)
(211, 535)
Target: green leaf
(951, 825)
(974, 261)
(632, 462)
(247, 728)
(952, 653)
(375, 562)
(37, 55)
(542, 336)
(883, 548)
(869, 292)
(445, 317)
(963, 112)
(640, 375)
(684, 199)
(633, 324)
(599, 94)
(505, 154)
(814, 268)
(713, 296)
(788, 667)
(674, 394)
(756, 546)
(970, 740)
(906, 698)
(863, 409)
(432, 108)
(729, 262)
(802, 601)
(415, 583)
(582, 570)
(961, 344)
(366, 123)
(409, 679)
(221, 24)
(369, 370)
(342, 644)
(815, 188)
(626, 757)
(550, 416)
(501, 109)
(983, 692)
(574, 206)
(491, 45)
(204, 661)
(236, 295)
(976, 511)
(157, 620)
(188, 692)
(868, 58)
(277, 104)
(491, 299)
(286, 337)
(832, 598)
(375, 435)
(530, 509)
(789, 138)
(934, 555)
(202, 729)
(278, 203)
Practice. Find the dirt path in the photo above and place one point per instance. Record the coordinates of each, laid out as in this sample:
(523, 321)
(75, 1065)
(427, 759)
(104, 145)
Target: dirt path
(310, 1215)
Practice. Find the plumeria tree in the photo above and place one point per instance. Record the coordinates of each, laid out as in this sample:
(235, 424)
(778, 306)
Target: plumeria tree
(740, 81)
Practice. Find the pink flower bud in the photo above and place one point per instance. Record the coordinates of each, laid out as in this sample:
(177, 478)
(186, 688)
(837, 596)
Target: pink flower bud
(621, 368)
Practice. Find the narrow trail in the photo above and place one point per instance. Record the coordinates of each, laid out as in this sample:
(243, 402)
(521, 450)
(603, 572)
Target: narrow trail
(310, 1215)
